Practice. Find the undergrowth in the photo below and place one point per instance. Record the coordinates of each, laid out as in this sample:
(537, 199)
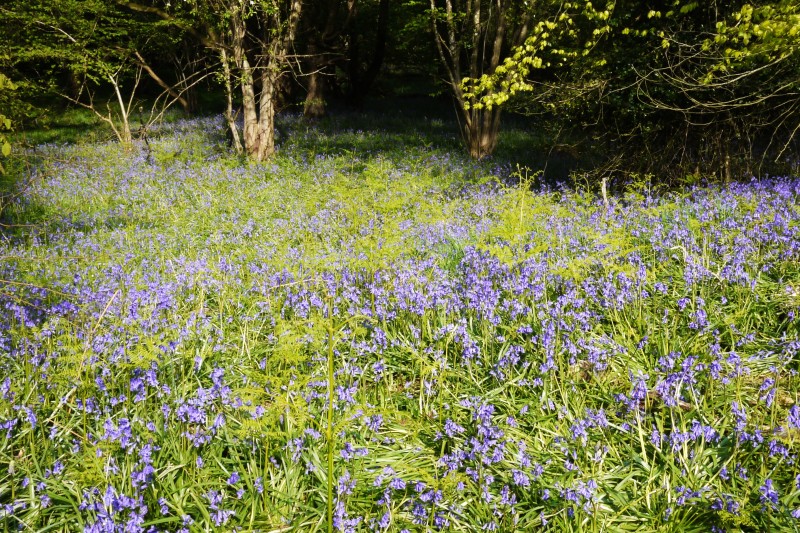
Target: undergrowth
(371, 332)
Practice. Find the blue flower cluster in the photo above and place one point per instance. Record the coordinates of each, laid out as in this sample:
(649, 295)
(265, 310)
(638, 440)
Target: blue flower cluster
(204, 345)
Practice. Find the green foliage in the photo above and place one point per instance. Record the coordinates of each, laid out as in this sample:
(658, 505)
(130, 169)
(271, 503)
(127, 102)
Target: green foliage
(713, 87)
(76, 51)
(564, 34)
(195, 264)
(5, 121)
(754, 36)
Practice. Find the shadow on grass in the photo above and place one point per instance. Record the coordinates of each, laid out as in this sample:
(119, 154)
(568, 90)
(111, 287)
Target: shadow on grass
(392, 128)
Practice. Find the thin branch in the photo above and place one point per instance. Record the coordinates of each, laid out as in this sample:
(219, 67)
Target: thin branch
(143, 64)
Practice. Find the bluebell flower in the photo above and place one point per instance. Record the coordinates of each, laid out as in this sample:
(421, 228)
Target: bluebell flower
(769, 495)
(794, 417)
(397, 484)
(219, 516)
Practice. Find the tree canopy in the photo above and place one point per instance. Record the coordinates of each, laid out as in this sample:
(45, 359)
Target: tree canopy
(5, 122)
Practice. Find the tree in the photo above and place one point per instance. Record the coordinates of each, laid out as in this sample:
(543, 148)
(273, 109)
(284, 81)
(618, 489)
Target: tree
(78, 40)
(325, 22)
(345, 44)
(253, 39)
(368, 31)
(472, 39)
(93, 44)
(737, 74)
(263, 54)
(680, 87)
(5, 122)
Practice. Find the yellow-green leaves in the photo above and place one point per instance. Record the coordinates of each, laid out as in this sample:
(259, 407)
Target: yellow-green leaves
(5, 122)
(571, 32)
(756, 35)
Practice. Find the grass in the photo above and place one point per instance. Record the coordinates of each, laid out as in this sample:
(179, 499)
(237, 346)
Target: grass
(372, 332)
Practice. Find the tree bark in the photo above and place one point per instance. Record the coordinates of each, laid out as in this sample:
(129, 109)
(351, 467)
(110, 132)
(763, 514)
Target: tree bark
(266, 120)
(236, 141)
(314, 105)
(251, 122)
(259, 142)
(258, 35)
(251, 131)
(325, 25)
(123, 130)
(482, 131)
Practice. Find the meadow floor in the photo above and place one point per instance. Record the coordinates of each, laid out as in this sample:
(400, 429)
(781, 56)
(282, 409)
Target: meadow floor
(373, 333)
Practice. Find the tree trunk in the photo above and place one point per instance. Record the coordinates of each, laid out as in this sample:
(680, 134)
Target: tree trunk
(259, 114)
(361, 83)
(277, 24)
(252, 125)
(481, 131)
(236, 142)
(284, 93)
(75, 85)
(324, 27)
(123, 130)
(266, 120)
(314, 106)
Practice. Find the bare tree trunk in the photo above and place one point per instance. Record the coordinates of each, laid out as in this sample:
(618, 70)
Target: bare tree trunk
(236, 141)
(251, 122)
(252, 140)
(266, 121)
(324, 24)
(482, 131)
(271, 56)
(123, 131)
(75, 85)
(121, 127)
(273, 26)
(314, 105)
(284, 91)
